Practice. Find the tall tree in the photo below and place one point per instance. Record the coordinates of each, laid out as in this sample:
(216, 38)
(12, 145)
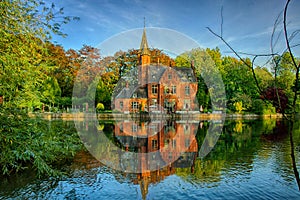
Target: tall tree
(25, 28)
(294, 64)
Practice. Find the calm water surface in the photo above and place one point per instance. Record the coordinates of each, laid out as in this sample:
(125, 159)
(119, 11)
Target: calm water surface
(249, 160)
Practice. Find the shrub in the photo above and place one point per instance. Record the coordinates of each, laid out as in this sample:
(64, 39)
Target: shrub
(263, 107)
(100, 107)
(35, 143)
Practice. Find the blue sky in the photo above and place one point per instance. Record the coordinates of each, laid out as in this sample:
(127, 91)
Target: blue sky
(247, 24)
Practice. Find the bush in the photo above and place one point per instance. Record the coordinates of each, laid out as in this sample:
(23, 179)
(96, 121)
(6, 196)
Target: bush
(238, 107)
(100, 107)
(35, 143)
(263, 107)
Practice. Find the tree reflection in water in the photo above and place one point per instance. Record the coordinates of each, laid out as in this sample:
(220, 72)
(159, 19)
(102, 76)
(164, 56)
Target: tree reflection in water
(184, 148)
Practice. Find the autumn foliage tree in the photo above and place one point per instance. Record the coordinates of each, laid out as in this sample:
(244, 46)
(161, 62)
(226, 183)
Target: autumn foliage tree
(278, 98)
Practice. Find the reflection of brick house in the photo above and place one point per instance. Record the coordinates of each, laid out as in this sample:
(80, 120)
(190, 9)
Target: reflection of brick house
(170, 143)
(158, 88)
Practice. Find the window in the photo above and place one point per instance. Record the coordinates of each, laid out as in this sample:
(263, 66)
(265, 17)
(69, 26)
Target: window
(186, 129)
(135, 105)
(187, 90)
(173, 89)
(166, 143)
(134, 128)
(174, 144)
(154, 89)
(187, 104)
(187, 143)
(169, 76)
(121, 104)
(170, 155)
(154, 144)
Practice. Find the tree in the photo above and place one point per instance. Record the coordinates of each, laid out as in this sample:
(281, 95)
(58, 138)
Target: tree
(264, 77)
(293, 64)
(210, 86)
(61, 68)
(90, 67)
(51, 91)
(26, 79)
(25, 28)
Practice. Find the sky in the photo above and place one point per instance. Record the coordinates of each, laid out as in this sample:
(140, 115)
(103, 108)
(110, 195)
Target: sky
(247, 25)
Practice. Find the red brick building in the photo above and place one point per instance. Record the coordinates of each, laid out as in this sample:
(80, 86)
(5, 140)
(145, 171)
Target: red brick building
(158, 88)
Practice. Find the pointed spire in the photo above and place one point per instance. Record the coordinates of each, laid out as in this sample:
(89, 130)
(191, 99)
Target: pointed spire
(144, 43)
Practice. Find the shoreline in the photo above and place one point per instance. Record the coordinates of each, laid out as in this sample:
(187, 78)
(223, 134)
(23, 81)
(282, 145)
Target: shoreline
(153, 116)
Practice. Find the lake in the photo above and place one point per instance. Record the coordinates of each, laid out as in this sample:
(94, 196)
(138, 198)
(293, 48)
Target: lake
(187, 159)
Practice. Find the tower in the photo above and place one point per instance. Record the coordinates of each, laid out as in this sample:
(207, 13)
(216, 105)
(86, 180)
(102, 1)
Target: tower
(144, 50)
(144, 58)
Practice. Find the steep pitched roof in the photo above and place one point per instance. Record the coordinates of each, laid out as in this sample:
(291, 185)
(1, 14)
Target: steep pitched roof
(186, 74)
(125, 93)
(144, 44)
(129, 92)
(156, 73)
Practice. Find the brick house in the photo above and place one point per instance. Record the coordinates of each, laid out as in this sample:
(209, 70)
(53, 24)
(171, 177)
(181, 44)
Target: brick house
(158, 88)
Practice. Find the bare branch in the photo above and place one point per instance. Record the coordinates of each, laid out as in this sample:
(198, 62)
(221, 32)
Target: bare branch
(276, 63)
(238, 55)
(295, 95)
(287, 38)
(222, 21)
(275, 26)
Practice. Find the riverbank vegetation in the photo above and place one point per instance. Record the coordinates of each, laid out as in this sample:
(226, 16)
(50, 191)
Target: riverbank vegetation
(28, 79)
(37, 76)
(37, 144)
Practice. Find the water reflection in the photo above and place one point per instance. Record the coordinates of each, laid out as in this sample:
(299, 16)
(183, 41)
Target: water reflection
(249, 159)
(142, 147)
(199, 152)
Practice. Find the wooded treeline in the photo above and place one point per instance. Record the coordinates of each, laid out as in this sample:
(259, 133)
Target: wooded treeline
(47, 83)
(37, 75)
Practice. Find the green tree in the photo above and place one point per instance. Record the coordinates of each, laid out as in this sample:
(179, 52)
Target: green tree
(25, 28)
(264, 77)
(51, 91)
(209, 80)
(183, 60)
(216, 56)
(26, 79)
(239, 82)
